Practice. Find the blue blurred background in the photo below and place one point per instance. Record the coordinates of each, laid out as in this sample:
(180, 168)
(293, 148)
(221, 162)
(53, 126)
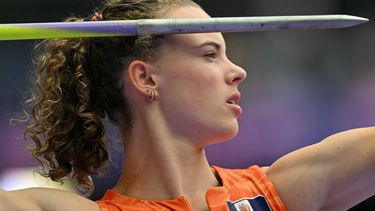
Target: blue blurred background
(302, 86)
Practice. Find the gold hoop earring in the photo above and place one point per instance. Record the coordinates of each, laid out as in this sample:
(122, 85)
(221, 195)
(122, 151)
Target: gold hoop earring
(153, 96)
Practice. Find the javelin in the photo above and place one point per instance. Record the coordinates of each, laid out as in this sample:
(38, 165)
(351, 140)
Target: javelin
(24, 31)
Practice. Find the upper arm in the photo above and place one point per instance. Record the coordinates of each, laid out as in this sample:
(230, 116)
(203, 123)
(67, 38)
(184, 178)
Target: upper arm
(334, 174)
(52, 199)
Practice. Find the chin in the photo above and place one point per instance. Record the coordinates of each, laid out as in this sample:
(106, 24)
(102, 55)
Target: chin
(225, 134)
(218, 133)
(230, 136)
(218, 141)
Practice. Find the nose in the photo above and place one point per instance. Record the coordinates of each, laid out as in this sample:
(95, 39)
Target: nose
(236, 74)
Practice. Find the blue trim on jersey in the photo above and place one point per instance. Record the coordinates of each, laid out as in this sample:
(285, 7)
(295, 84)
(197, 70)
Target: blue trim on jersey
(258, 203)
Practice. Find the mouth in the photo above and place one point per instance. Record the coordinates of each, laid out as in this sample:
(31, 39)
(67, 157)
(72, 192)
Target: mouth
(234, 97)
(232, 103)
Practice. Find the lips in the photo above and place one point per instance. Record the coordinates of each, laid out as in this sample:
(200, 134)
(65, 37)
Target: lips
(232, 103)
(234, 97)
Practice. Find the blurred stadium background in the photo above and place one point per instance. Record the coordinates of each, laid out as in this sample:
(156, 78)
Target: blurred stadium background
(302, 86)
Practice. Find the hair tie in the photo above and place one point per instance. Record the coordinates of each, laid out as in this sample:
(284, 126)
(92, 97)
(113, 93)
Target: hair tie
(96, 17)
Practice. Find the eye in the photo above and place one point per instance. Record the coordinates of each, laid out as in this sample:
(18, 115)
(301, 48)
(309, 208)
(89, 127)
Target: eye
(210, 55)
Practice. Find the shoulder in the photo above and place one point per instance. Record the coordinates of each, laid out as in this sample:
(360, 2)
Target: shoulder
(252, 184)
(53, 199)
(337, 172)
(297, 174)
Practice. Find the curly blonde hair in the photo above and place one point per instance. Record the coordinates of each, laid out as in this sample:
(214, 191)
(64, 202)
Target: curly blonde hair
(77, 86)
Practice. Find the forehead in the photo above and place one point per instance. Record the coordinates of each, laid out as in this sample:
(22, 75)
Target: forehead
(193, 39)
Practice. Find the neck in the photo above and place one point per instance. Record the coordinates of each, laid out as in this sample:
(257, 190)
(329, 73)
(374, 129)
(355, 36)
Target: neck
(159, 165)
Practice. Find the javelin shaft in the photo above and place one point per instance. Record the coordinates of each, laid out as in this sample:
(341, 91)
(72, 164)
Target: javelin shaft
(173, 26)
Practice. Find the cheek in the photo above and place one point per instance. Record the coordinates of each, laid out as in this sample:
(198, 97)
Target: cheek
(192, 83)
(204, 90)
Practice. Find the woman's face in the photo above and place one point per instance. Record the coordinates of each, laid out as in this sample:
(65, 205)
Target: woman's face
(197, 84)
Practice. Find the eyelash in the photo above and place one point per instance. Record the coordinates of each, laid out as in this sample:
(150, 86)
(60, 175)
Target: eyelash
(211, 55)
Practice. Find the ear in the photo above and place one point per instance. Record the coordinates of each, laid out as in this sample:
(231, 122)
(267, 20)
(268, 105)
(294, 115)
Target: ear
(141, 76)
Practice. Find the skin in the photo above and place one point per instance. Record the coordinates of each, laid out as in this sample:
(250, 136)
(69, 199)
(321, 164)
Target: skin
(193, 86)
(335, 174)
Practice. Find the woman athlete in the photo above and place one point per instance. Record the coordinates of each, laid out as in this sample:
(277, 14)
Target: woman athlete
(169, 96)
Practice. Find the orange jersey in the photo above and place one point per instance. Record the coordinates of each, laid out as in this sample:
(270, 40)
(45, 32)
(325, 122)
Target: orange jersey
(242, 190)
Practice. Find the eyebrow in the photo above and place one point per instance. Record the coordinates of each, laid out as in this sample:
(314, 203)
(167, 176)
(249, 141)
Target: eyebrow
(216, 45)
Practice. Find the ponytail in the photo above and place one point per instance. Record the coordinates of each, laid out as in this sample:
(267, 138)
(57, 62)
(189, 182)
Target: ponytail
(67, 131)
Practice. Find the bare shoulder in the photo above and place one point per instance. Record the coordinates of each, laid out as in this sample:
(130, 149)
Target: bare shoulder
(334, 174)
(53, 199)
(296, 179)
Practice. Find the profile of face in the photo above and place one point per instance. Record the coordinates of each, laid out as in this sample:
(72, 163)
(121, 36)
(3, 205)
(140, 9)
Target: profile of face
(197, 83)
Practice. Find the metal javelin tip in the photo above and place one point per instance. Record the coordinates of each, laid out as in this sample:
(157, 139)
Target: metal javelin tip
(349, 20)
